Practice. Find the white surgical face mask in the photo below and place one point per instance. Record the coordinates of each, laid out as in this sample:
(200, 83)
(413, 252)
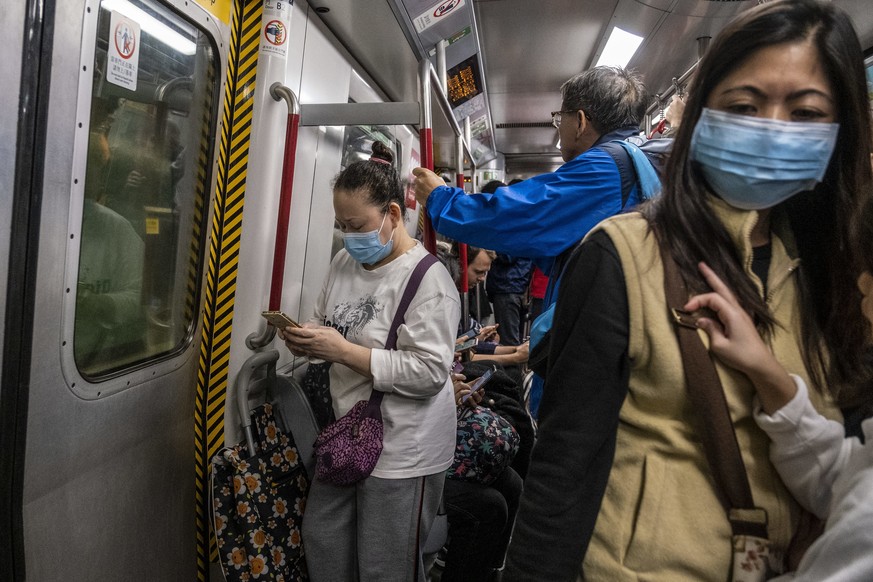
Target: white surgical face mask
(754, 163)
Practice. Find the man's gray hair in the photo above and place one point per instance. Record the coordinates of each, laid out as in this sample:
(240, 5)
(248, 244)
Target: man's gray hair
(612, 97)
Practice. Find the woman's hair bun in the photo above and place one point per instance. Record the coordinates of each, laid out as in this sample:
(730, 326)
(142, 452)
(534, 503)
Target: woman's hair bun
(381, 153)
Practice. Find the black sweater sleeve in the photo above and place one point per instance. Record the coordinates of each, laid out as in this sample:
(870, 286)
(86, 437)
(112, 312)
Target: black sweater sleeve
(582, 396)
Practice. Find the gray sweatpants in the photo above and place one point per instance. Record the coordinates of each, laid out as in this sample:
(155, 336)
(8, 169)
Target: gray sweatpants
(372, 531)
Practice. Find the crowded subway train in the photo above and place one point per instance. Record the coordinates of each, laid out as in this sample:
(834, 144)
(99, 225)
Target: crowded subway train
(421, 290)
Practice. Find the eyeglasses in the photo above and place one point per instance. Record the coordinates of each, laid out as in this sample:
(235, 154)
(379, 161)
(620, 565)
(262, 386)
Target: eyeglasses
(556, 117)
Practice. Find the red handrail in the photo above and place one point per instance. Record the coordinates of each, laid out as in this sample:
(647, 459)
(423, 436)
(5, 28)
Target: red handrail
(462, 251)
(428, 234)
(279, 91)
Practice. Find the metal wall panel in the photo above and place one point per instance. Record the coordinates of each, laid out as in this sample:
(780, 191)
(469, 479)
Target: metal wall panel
(108, 485)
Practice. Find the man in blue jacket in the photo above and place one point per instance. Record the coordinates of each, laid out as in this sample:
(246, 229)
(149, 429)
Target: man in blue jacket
(544, 216)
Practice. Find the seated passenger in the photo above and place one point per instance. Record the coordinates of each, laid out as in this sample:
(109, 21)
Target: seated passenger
(480, 516)
(489, 346)
(769, 164)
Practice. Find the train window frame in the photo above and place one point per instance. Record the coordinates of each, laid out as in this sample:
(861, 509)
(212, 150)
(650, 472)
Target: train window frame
(196, 205)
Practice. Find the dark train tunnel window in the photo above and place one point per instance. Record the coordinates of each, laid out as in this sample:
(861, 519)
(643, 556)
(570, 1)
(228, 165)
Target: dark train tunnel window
(155, 81)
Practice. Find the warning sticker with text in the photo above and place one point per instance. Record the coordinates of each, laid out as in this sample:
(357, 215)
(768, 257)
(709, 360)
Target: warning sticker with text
(123, 61)
(436, 13)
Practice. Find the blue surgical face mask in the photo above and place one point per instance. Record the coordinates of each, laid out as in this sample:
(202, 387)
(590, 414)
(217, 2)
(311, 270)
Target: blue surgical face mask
(367, 247)
(754, 163)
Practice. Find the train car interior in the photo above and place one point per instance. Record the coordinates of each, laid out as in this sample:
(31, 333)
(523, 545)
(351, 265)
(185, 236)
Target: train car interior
(167, 175)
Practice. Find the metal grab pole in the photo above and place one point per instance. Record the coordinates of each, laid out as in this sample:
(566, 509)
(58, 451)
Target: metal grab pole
(459, 161)
(462, 247)
(426, 137)
(279, 92)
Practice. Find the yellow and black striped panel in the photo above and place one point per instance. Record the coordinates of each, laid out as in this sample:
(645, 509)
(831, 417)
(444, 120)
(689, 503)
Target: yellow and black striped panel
(223, 261)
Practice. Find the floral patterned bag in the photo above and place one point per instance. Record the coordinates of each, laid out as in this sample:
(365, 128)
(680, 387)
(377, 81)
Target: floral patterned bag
(257, 505)
(751, 559)
(485, 446)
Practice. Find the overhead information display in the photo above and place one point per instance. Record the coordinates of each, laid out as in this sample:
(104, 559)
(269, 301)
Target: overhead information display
(464, 81)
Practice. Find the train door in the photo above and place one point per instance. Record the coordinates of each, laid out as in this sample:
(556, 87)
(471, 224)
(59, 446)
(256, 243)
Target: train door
(112, 199)
(17, 133)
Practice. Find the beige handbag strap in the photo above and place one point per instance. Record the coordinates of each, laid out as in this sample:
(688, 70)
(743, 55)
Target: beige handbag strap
(707, 398)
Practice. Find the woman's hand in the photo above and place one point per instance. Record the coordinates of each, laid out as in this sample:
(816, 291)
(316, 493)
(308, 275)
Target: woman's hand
(733, 335)
(315, 341)
(326, 343)
(489, 334)
(289, 340)
(736, 341)
(462, 389)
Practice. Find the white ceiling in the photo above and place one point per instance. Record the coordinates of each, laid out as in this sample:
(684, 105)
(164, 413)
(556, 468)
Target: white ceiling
(530, 47)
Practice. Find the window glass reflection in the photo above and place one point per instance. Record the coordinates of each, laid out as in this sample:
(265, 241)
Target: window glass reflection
(146, 180)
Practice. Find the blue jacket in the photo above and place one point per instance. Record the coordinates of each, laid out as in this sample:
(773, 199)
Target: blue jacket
(540, 217)
(508, 275)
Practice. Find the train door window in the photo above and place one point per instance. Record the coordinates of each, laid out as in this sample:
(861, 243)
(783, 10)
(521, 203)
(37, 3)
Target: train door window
(146, 182)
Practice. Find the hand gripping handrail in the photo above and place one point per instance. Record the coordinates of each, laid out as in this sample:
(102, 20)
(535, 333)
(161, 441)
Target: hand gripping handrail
(425, 133)
(280, 92)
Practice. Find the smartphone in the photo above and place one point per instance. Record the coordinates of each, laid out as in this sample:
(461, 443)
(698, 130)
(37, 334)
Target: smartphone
(467, 345)
(478, 384)
(470, 333)
(457, 367)
(279, 320)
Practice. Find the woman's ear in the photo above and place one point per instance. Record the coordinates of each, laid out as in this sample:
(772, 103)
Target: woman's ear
(396, 214)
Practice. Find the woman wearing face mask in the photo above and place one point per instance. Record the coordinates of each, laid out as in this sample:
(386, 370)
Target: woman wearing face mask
(373, 530)
(769, 163)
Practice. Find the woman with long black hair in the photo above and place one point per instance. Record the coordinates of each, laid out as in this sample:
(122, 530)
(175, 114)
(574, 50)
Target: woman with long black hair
(770, 162)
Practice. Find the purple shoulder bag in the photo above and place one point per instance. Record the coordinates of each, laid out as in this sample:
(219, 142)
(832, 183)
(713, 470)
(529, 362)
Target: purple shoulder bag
(348, 449)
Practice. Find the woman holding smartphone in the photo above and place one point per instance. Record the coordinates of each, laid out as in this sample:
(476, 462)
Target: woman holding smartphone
(373, 530)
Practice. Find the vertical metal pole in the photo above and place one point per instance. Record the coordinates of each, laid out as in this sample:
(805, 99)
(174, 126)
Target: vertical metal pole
(459, 162)
(468, 137)
(462, 247)
(441, 65)
(426, 138)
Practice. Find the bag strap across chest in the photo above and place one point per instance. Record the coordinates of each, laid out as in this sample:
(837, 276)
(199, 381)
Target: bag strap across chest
(707, 398)
(391, 343)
